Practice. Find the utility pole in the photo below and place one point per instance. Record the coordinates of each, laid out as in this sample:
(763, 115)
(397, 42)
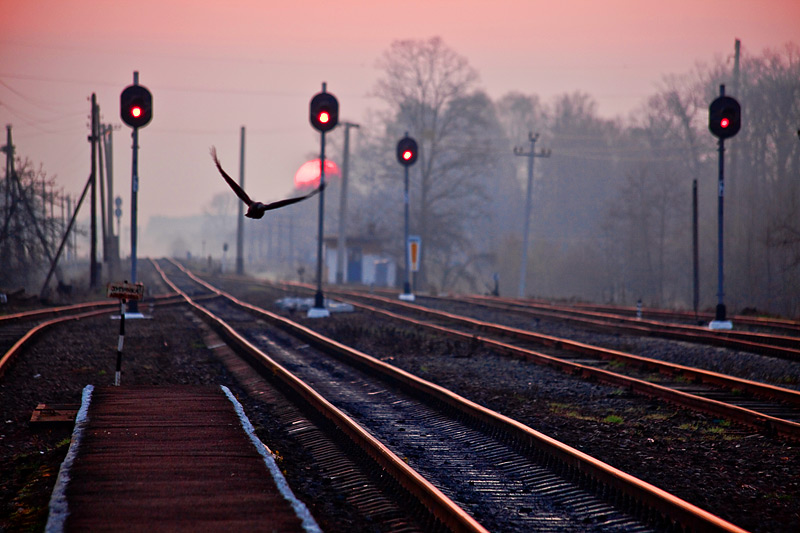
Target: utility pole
(106, 148)
(342, 239)
(733, 182)
(9, 204)
(70, 249)
(8, 149)
(695, 252)
(106, 230)
(240, 224)
(93, 252)
(518, 150)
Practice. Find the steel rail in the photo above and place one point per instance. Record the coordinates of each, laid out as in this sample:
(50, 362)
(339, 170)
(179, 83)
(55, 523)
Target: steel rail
(439, 504)
(760, 421)
(779, 323)
(781, 346)
(60, 314)
(756, 388)
(58, 311)
(34, 332)
(576, 462)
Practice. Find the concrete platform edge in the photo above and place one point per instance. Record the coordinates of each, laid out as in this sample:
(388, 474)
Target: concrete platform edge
(59, 509)
(308, 522)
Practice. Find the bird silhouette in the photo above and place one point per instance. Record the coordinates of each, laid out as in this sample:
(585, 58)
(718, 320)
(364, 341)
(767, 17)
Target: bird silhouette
(257, 209)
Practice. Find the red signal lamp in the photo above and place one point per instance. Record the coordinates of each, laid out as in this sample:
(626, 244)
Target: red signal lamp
(407, 151)
(324, 112)
(724, 117)
(136, 106)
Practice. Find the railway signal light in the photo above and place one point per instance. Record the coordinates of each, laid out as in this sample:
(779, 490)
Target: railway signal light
(724, 117)
(324, 111)
(407, 151)
(136, 106)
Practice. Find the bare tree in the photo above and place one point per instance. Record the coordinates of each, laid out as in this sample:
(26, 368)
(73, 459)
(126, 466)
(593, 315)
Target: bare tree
(431, 92)
(29, 230)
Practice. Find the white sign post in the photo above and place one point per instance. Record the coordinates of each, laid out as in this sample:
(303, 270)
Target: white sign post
(124, 291)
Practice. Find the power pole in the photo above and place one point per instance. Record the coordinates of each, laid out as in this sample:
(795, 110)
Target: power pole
(93, 252)
(240, 223)
(531, 155)
(733, 182)
(108, 147)
(8, 149)
(342, 240)
(103, 225)
(695, 253)
(9, 204)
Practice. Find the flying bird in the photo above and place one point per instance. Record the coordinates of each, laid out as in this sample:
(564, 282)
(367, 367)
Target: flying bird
(257, 209)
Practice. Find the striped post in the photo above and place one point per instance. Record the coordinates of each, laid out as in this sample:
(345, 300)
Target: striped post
(118, 373)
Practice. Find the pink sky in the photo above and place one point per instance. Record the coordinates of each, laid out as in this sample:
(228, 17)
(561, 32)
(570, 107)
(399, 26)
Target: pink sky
(216, 66)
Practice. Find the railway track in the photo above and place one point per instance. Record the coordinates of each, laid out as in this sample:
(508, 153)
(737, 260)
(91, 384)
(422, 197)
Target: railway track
(785, 326)
(17, 329)
(772, 344)
(496, 468)
(768, 408)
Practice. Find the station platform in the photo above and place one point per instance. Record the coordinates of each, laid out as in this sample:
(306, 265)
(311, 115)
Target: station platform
(173, 458)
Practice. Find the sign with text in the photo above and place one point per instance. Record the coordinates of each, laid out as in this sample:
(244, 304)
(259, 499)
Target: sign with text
(126, 291)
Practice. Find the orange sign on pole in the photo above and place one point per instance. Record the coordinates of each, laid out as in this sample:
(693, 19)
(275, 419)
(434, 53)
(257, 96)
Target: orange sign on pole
(414, 250)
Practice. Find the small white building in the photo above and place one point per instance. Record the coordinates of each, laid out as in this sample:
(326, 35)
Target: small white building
(366, 262)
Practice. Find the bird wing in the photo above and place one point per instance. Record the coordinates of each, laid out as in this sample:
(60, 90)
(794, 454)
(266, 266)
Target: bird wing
(233, 185)
(289, 201)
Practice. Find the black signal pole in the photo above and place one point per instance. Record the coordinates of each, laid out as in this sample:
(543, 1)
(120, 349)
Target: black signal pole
(720, 315)
(324, 116)
(134, 202)
(720, 320)
(319, 310)
(724, 122)
(407, 153)
(136, 110)
(407, 294)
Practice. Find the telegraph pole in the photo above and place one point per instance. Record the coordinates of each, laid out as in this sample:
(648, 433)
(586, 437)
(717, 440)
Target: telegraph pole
(93, 252)
(240, 224)
(531, 155)
(103, 219)
(9, 204)
(106, 148)
(8, 149)
(695, 252)
(342, 239)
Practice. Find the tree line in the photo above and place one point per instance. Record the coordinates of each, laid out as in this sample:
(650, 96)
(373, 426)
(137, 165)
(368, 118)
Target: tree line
(612, 206)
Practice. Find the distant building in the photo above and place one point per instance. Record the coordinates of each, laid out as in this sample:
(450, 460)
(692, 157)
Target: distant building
(367, 262)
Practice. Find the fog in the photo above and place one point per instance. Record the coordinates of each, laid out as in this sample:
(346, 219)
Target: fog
(214, 69)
